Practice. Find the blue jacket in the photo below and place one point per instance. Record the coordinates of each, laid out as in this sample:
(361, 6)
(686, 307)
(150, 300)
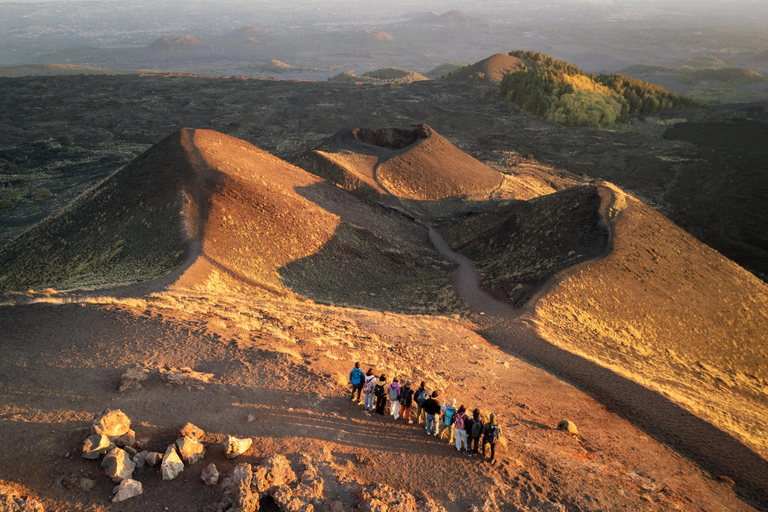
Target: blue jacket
(356, 376)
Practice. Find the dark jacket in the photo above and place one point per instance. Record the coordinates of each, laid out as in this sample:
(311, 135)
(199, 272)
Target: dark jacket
(406, 394)
(431, 406)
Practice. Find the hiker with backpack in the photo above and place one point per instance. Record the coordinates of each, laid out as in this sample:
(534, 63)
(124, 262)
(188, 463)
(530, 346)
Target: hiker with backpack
(491, 435)
(406, 401)
(447, 423)
(394, 398)
(368, 386)
(419, 397)
(380, 392)
(460, 422)
(475, 430)
(432, 409)
(356, 378)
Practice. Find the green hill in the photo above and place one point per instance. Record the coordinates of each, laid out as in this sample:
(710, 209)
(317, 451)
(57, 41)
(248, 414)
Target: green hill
(730, 76)
(560, 92)
(380, 76)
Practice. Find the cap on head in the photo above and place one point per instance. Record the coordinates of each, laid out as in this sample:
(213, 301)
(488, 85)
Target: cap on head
(408, 382)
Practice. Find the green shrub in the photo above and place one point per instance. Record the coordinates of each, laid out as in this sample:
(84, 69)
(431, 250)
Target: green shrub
(6, 204)
(561, 92)
(43, 193)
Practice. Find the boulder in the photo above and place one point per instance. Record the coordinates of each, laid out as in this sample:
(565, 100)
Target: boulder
(191, 450)
(380, 497)
(210, 474)
(238, 496)
(272, 473)
(118, 465)
(567, 426)
(132, 379)
(190, 430)
(127, 489)
(127, 439)
(172, 465)
(310, 488)
(185, 377)
(234, 446)
(112, 423)
(153, 458)
(96, 446)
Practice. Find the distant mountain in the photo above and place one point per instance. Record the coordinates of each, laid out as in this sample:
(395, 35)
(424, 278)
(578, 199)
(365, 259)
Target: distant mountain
(448, 19)
(443, 69)
(251, 34)
(381, 76)
(169, 41)
(371, 35)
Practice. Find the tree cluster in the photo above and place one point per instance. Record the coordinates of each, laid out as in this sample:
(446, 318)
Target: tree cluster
(561, 92)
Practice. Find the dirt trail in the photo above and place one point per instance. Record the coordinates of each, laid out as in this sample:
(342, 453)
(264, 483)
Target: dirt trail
(701, 442)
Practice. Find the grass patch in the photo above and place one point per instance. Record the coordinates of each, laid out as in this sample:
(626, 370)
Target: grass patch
(6, 204)
(43, 193)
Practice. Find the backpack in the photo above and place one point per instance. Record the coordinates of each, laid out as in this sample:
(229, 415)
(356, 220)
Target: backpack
(393, 393)
(449, 416)
(368, 386)
(378, 390)
(477, 428)
(420, 396)
(493, 434)
(404, 396)
(357, 376)
(460, 422)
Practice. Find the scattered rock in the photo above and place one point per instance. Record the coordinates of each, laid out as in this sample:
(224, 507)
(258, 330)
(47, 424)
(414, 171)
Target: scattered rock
(127, 489)
(132, 379)
(364, 459)
(234, 446)
(568, 426)
(172, 465)
(238, 496)
(185, 377)
(285, 500)
(142, 442)
(728, 480)
(15, 499)
(334, 506)
(130, 450)
(191, 450)
(141, 458)
(310, 486)
(153, 458)
(272, 473)
(118, 465)
(112, 423)
(210, 474)
(96, 446)
(382, 498)
(127, 439)
(190, 430)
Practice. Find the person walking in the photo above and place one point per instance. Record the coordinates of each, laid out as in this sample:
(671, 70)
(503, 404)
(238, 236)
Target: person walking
(406, 401)
(447, 423)
(475, 430)
(460, 422)
(394, 398)
(380, 392)
(368, 386)
(432, 409)
(491, 435)
(356, 378)
(421, 394)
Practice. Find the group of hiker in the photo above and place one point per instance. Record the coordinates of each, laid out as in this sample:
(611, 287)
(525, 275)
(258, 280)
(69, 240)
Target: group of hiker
(441, 419)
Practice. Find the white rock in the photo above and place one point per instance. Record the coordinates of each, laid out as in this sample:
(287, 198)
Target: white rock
(112, 423)
(118, 465)
(191, 450)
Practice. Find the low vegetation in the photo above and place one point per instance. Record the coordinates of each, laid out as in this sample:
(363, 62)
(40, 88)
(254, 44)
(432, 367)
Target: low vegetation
(560, 92)
(731, 76)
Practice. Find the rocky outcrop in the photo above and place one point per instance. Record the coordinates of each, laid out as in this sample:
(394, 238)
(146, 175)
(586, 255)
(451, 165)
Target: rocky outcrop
(15, 500)
(238, 496)
(127, 489)
(274, 472)
(132, 379)
(112, 423)
(382, 498)
(567, 426)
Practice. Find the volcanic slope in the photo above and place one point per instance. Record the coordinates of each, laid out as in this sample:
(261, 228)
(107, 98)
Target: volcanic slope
(415, 168)
(223, 213)
(614, 281)
(491, 69)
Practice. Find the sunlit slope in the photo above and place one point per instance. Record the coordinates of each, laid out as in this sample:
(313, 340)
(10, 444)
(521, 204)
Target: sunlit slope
(611, 279)
(226, 215)
(491, 69)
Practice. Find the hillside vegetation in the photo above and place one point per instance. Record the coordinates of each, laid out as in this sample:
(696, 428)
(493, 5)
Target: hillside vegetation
(560, 92)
